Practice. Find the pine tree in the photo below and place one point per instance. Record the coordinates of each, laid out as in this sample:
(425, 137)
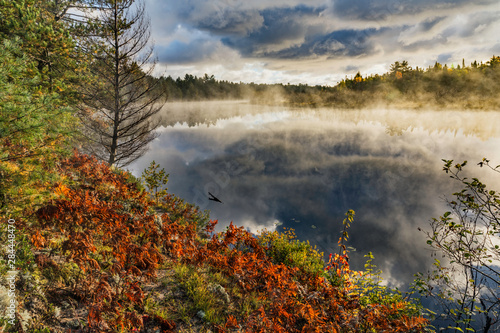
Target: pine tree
(36, 80)
(118, 108)
(30, 119)
(37, 93)
(45, 41)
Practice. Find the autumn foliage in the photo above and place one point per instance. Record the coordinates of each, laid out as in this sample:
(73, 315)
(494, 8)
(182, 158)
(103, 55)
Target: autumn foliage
(106, 225)
(102, 224)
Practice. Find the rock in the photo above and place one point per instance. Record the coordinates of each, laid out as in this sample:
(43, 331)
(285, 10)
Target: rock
(158, 221)
(201, 314)
(220, 291)
(75, 323)
(65, 304)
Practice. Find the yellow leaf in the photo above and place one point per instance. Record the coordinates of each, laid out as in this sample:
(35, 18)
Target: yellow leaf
(62, 190)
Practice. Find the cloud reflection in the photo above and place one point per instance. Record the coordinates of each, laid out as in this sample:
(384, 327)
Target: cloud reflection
(306, 169)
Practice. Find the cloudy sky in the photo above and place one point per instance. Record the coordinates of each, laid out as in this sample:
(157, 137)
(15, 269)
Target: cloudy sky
(317, 41)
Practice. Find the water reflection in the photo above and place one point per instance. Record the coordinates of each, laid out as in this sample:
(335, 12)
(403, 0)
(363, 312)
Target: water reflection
(305, 168)
(482, 124)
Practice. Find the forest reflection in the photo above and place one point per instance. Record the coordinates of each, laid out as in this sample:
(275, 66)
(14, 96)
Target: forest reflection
(482, 124)
(276, 167)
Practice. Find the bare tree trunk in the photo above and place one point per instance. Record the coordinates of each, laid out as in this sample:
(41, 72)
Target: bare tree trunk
(114, 141)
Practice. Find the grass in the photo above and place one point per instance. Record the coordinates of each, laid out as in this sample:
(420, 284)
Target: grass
(196, 284)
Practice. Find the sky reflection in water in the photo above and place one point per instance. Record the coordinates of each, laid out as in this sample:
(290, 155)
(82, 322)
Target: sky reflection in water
(306, 168)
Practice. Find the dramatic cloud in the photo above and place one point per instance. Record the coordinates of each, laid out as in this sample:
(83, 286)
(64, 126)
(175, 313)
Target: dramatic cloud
(338, 44)
(228, 21)
(370, 10)
(295, 40)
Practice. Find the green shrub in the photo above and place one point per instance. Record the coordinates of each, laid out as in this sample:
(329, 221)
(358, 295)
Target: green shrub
(285, 248)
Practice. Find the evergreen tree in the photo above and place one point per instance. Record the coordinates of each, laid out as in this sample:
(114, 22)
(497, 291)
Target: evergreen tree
(35, 112)
(37, 80)
(118, 108)
(46, 41)
(30, 119)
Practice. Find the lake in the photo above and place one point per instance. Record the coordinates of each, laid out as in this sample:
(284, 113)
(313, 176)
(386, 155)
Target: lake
(276, 167)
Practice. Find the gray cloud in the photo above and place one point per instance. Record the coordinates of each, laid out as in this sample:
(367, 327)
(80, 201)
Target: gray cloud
(476, 23)
(342, 43)
(427, 44)
(192, 51)
(383, 9)
(199, 50)
(444, 58)
(496, 48)
(232, 22)
(282, 28)
(295, 40)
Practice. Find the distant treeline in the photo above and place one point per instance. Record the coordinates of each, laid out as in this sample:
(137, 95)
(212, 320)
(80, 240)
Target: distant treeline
(200, 88)
(476, 86)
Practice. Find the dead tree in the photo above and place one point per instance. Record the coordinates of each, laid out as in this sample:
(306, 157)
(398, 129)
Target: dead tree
(120, 100)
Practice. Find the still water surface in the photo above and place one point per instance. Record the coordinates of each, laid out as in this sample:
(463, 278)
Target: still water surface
(276, 167)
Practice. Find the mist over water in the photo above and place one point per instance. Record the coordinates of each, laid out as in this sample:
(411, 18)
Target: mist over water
(276, 167)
